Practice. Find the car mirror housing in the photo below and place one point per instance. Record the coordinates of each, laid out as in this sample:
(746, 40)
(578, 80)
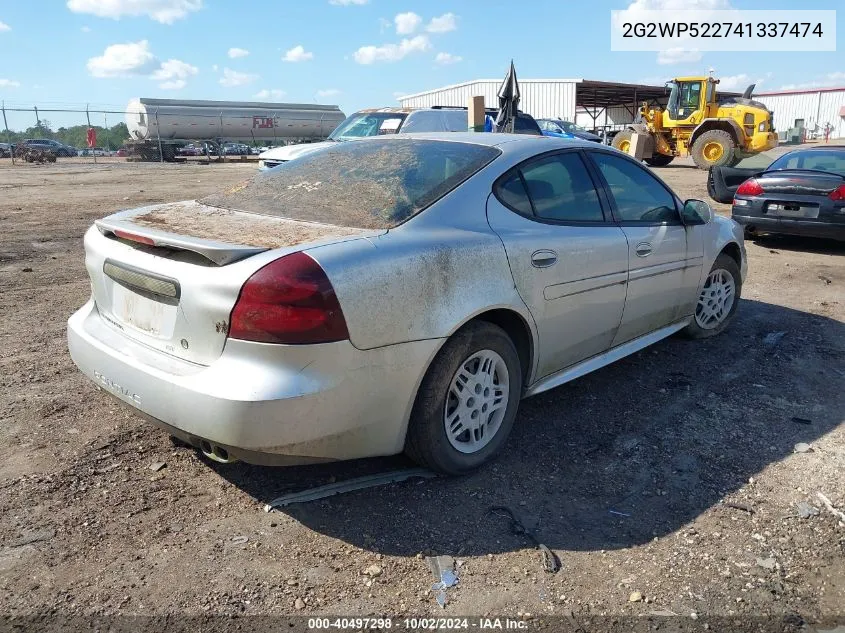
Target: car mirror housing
(696, 212)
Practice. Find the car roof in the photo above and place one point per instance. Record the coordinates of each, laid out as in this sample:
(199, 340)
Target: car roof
(816, 147)
(489, 139)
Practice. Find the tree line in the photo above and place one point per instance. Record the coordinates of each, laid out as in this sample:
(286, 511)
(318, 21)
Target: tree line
(77, 135)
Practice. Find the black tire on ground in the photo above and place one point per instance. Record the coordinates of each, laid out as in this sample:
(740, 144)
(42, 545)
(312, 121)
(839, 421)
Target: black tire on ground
(426, 441)
(727, 263)
(748, 233)
(659, 160)
(706, 141)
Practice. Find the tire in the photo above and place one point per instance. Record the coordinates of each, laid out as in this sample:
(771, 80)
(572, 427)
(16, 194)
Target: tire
(659, 160)
(622, 141)
(713, 148)
(726, 265)
(428, 442)
(748, 233)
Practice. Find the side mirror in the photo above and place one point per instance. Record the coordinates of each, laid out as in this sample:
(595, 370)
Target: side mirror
(696, 212)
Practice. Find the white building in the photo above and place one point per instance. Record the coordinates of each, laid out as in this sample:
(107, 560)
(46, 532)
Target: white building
(588, 103)
(812, 109)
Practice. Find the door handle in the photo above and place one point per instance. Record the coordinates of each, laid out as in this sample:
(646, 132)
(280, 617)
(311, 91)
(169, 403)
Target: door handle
(543, 258)
(643, 249)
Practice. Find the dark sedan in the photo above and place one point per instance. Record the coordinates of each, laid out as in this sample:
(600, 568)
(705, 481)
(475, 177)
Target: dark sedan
(800, 193)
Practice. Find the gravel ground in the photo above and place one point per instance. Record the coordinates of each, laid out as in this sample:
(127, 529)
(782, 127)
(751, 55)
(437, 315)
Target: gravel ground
(666, 484)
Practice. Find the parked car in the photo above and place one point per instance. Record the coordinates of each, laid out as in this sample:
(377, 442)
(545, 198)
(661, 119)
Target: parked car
(59, 149)
(566, 129)
(5, 150)
(398, 293)
(236, 149)
(368, 123)
(799, 193)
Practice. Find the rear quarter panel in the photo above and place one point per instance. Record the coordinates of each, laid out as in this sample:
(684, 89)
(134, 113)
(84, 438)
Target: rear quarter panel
(425, 278)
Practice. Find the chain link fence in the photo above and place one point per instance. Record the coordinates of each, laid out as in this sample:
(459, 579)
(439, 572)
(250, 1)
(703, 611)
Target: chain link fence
(48, 134)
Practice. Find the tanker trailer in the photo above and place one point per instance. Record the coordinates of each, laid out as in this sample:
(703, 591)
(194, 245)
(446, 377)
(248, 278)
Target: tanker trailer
(159, 127)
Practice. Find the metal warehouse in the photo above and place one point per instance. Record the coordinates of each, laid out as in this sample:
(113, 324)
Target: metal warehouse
(808, 109)
(602, 103)
(587, 102)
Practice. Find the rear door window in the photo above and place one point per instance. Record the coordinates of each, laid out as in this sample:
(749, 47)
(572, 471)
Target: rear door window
(556, 187)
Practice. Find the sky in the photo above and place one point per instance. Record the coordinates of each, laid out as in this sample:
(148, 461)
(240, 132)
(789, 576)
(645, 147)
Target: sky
(353, 53)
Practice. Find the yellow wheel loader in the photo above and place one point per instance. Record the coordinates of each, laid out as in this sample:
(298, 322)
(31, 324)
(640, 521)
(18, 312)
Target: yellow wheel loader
(695, 123)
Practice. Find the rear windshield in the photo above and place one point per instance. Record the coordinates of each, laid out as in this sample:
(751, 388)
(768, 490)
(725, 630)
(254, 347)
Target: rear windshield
(374, 184)
(816, 159)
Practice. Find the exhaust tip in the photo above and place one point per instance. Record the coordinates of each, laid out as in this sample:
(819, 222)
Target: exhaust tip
(216, 453)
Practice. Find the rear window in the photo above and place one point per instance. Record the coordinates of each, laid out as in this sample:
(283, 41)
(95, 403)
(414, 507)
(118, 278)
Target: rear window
(375, 184)
(816, 159)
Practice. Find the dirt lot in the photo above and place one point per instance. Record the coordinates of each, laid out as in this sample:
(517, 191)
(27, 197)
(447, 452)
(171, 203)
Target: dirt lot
(671, 475)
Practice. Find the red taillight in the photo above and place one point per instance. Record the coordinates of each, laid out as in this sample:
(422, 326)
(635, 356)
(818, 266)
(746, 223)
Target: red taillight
(837, 194)
(132, 237)
(289, 301)
(750, 188)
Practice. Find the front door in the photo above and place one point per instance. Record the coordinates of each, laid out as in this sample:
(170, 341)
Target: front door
(568, 259)
(664, 256)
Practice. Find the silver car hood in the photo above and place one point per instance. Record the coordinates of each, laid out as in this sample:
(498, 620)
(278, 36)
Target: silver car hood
(289, 152)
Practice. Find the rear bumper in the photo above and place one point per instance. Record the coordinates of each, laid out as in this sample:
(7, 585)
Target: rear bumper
(269, 404)
(786, 226)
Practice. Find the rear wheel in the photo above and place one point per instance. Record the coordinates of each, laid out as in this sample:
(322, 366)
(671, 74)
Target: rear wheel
(713, 148)
(718, 300)
(659, 160)
(467, 401)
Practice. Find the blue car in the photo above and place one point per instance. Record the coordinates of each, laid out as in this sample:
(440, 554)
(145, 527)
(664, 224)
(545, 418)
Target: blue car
(565, 129)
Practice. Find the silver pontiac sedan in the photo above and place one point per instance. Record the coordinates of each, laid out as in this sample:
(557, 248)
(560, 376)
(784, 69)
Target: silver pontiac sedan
(395, 294)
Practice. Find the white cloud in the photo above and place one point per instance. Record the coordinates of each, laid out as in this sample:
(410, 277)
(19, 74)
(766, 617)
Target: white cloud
(9, 83)
(443, 24)
(132, 59)
(444, 59)
(678, 55)
(236, 52)
(164, 11)
(831, 79)
(232, 78)
(215, 68)
(4, 27)
(85, 29)
(407, 23)
(174, 74)
(392, 52)
(346, 3)
(329, 92)
(269, 93)
(298, 54)
(135, 59)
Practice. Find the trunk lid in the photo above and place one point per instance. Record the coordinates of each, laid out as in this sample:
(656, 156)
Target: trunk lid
(169, 275)
(800, 182)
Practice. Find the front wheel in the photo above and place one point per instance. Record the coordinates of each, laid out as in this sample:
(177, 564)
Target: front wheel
(467, 401)
(714, 148)
(718, 300)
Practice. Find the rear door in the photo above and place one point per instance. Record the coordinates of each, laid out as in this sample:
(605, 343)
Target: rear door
(664, 256)
(568, 259)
